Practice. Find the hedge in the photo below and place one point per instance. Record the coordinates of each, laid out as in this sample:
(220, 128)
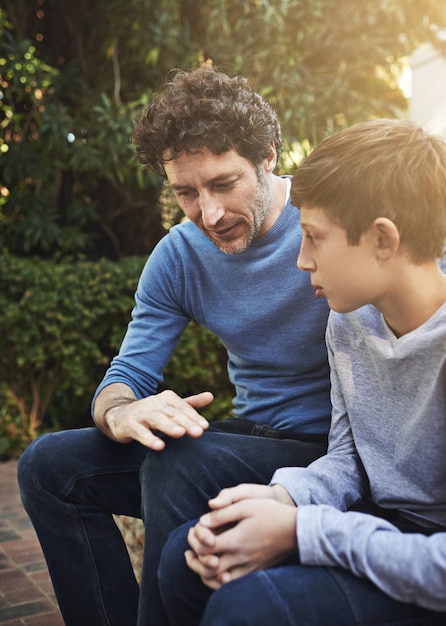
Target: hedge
(61, 323)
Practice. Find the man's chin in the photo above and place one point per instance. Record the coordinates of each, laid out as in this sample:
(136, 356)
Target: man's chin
(231, 248)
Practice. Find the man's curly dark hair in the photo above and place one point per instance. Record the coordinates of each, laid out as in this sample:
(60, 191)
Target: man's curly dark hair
(205, 108)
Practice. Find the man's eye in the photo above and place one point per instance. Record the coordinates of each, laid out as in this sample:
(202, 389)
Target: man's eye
(184, 194)
(224, 186)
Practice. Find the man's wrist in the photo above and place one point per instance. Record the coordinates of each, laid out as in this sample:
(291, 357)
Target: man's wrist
(110, 409)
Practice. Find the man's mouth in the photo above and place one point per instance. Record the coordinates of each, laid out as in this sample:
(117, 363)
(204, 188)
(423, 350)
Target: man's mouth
(223, 232)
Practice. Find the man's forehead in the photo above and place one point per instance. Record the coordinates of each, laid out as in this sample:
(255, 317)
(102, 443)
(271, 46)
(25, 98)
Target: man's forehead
(170, 155)
(204, 163)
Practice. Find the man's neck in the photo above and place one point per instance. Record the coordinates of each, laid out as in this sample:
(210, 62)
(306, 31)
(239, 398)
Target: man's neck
(280, 189)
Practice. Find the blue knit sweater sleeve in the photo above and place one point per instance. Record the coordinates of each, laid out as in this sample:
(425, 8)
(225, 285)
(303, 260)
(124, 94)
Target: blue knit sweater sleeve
(155, 328)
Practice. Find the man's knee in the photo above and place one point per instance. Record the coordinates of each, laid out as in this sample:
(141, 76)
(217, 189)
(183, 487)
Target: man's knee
(35, 461)
(184, 464)
(178, 453)
(49, 460)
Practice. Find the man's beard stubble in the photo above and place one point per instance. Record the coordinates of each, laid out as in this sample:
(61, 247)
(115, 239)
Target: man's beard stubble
(259, 209)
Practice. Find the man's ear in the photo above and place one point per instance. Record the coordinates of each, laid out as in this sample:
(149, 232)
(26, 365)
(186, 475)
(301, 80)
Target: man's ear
(386, 237)
(271, 160)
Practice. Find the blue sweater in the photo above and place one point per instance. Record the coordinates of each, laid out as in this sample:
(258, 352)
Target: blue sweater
(257, 302)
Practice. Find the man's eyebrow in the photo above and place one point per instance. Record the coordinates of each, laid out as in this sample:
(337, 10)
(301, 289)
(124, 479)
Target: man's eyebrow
(211, 181)
(176, 187)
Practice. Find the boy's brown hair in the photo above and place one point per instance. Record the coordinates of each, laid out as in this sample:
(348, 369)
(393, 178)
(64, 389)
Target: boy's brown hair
(381, 168)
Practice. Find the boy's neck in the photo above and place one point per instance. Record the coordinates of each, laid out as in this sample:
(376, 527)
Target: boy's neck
(419, 291)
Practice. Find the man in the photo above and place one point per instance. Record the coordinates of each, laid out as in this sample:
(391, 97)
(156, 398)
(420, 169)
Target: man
(231, 267)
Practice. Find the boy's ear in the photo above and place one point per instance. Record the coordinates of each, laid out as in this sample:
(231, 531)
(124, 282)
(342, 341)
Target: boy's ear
(386, 237)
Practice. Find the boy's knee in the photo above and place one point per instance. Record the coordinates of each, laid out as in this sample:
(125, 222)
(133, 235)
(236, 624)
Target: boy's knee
(172, 561)
(184, 595)
(173, 570)
(242, 602)
(224, 608)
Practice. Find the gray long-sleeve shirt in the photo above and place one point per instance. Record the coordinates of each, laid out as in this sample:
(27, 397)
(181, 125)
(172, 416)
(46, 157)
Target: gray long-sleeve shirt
(387, 442)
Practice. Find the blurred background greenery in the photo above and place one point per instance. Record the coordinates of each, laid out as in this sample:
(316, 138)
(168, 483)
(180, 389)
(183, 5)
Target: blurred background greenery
(78, 216)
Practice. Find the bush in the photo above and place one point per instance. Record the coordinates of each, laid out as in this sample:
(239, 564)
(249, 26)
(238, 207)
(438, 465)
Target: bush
(61, 324)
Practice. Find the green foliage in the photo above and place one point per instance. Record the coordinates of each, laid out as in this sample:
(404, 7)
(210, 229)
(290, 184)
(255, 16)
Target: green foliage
(67, 167)
(324, 64)
(74, 74)
(72, 77)
(13, 424)
(60, 325)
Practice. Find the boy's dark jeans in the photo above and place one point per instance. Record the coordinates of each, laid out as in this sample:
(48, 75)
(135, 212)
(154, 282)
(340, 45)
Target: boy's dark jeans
(290, 594)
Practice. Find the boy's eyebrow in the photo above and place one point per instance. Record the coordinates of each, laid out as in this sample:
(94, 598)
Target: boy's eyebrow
(307, 225)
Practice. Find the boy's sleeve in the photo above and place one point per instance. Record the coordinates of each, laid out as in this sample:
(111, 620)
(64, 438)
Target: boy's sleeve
(407, 567)
(410, 568)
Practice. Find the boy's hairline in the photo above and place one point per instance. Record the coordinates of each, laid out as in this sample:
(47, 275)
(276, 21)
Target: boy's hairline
(404, 246)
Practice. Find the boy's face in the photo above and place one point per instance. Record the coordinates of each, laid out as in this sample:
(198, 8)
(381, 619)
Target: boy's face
(224, 195)
(348, 276)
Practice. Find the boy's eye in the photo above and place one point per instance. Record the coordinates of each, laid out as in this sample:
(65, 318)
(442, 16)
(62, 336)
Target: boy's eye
(311, 238)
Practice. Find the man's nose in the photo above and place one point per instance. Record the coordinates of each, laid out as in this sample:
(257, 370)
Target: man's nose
(211, 210)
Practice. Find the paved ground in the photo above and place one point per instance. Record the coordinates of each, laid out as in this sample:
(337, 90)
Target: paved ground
(26, 592)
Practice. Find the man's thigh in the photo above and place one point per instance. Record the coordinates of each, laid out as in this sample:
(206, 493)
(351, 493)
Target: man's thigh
(84, 465)
(189, 471)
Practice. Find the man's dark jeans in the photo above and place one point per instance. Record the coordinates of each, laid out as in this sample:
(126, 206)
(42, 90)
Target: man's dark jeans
(72, 482)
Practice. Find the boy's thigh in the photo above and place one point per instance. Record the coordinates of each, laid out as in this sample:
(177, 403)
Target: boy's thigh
(298, 595)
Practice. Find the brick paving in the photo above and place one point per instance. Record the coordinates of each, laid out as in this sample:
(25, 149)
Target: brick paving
(26, 593)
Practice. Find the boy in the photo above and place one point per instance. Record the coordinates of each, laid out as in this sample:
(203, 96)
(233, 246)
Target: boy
(370, 516)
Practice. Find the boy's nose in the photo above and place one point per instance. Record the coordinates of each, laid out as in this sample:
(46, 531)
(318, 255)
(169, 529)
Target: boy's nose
(304, 261)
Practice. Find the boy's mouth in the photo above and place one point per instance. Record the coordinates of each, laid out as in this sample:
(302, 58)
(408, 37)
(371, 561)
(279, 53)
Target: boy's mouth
(318, 291)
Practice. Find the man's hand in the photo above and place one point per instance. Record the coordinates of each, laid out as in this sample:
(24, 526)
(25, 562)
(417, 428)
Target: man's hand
(252, 527)
(124, 418)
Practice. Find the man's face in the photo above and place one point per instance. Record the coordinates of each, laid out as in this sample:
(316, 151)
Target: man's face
(224, 195)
